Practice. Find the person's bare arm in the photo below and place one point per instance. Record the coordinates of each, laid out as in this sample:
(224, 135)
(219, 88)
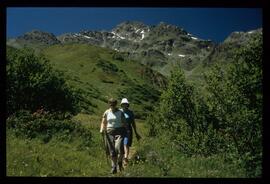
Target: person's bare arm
(103, 125)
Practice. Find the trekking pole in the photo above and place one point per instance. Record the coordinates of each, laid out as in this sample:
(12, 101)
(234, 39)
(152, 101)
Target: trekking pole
(105, 147)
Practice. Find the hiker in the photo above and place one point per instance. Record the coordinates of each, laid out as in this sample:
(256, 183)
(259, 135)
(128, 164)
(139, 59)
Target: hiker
(113, 127)
(130, 124)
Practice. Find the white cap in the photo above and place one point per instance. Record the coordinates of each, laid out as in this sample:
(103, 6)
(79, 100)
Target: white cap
(124, 100)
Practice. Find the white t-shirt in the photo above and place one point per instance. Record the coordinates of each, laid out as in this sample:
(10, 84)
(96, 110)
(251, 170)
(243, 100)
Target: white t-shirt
(114, 119)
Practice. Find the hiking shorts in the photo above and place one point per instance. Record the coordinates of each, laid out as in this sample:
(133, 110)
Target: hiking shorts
(128, 139)
(115, 141)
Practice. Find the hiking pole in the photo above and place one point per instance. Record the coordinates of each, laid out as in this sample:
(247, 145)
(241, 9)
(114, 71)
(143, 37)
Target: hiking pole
(105, 147)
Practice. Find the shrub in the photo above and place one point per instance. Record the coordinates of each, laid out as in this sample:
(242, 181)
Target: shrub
(107, 66)
(44, 126)
(118, 56)
(177, 102)
(31, 83)
(226, 117)
(235, 100)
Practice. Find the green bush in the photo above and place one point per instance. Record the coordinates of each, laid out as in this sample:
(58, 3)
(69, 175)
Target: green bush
(177, 101)
(118, 56)
(235, 101)
(153, 123)
(32, 83)
(225, 116)
(180, 113)
(25, 124)
(107, 66)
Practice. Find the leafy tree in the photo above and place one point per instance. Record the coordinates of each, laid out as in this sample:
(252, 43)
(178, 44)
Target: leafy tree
(235, 102)
(178, 102)
(225, 117)
(32, 83)
(180, 115)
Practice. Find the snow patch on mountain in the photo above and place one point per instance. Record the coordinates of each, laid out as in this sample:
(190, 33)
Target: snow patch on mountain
(142, 32)
(76, 35)
(117, 35)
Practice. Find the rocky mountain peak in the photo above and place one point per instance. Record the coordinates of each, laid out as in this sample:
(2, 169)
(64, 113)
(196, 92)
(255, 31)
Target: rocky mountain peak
(130, 30)
(224, 51)
(241, 37)
(165, 27)
(40, 36)
(159, 46)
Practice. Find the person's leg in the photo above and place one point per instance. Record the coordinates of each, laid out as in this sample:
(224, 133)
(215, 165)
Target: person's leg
(125, 160)
(119, 146)
(120, 161)
(129, 143)
(110, 143)
(114, 164)
(126, 147)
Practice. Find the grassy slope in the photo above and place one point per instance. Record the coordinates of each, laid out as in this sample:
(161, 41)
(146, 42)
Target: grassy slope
(34, 158)
(85, 64)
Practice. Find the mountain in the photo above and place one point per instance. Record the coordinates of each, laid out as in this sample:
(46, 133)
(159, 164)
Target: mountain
(36, 39)
(223, 52)
(161, 47)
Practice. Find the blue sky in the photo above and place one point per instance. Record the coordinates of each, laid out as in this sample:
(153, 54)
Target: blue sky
(206, 23)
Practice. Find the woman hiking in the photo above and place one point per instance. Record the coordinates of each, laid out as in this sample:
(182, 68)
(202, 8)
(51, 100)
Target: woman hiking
(130, 124)
(113, 126)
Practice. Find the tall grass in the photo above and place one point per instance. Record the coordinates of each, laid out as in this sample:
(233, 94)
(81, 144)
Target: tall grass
(159, 158)
(34, 158)
(152, 157)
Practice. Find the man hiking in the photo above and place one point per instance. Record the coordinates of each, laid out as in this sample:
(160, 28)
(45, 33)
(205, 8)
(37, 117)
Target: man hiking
(113, 127)
(130, 123)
